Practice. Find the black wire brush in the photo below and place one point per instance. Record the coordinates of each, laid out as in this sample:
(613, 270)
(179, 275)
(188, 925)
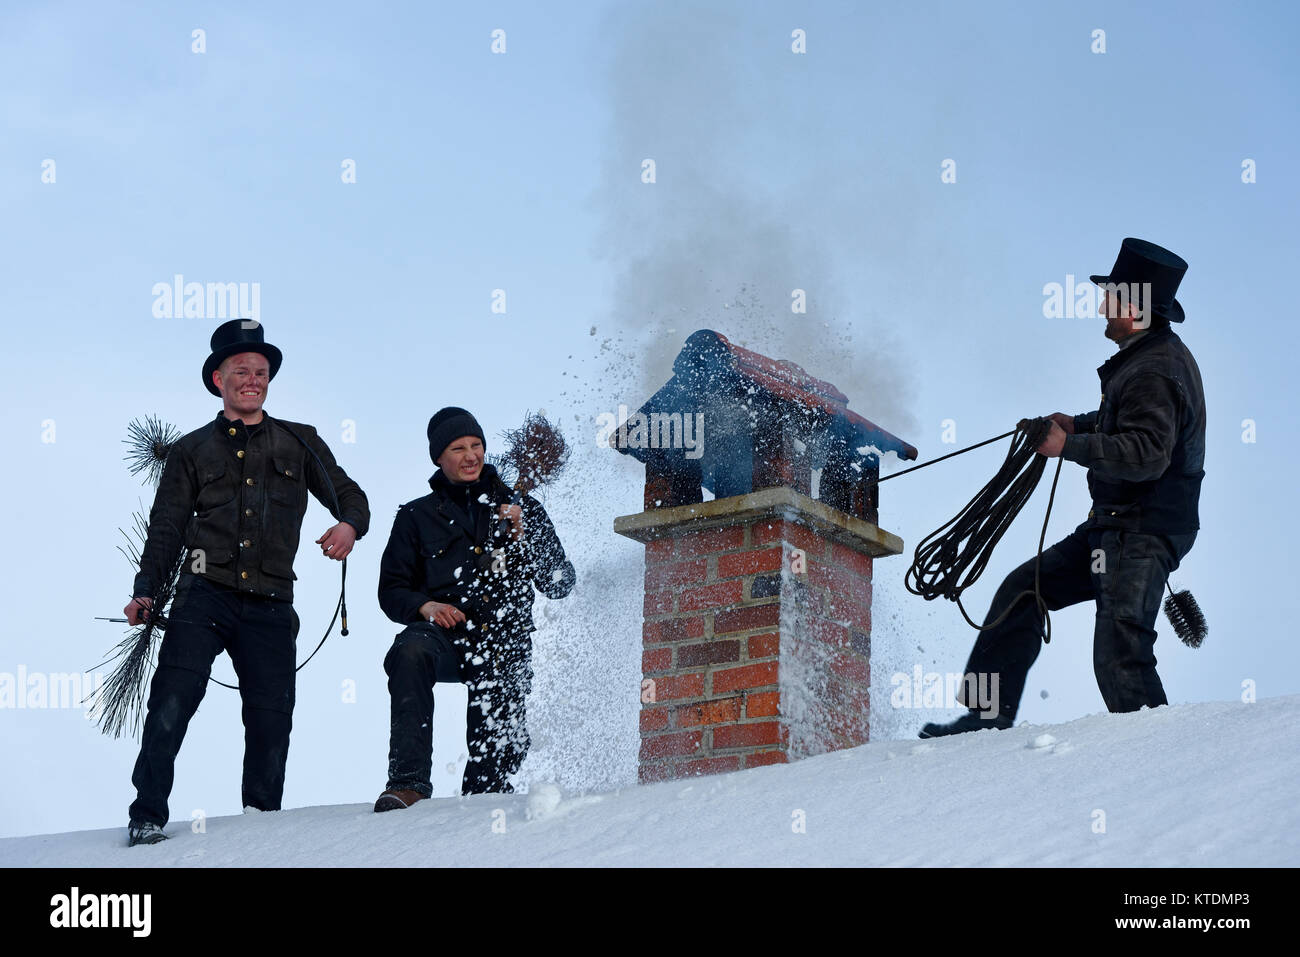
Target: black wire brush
(1186, 617)
(120, 700)
(148, 441)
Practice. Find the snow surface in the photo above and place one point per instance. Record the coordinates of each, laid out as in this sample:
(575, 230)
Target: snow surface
(1209, 784)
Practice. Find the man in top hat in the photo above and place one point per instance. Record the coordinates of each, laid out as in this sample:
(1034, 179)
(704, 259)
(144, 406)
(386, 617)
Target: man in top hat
(233, 494)
(459, 571)
(1144, 450)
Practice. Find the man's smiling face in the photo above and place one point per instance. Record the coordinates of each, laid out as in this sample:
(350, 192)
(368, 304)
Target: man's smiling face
(242, 381)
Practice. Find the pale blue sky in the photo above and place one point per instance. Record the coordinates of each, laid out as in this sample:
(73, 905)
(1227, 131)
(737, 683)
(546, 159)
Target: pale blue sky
(521, 171)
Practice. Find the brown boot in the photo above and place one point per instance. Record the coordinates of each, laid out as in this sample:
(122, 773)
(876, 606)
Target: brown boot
(393, 800)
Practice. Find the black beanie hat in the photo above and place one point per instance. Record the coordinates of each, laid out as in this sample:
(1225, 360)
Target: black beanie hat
(448, 425)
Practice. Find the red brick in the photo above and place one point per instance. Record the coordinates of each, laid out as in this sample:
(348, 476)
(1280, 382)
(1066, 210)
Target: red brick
(743, 619)
(668, 745)
(859, 735)
(749, 562)
(707, 653)
(851, 559)
(710, 540)
(832, 634)
(839, 580)
(673, 629)
(721, 595)
(708, 712)
(747, 735)
(837, 695)
(763, 646)
(800, 536)
(657, 603)
(653, 719)
(673, 574)
(759, 758)
(659, 551)
(746, 676)
(852, 667)
(845, 608)
(650, 773)
(847, 705)
(848, 725)
(762, 704)
(671, 687)
(720, 765)
(656, 659)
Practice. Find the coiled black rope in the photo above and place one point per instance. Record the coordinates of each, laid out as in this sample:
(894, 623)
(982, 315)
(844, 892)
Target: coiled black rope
(952, 558)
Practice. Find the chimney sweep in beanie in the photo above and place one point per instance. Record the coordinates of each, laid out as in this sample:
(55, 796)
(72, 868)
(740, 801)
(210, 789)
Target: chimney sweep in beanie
(1144, 449)
(231, 500)
(458, 572)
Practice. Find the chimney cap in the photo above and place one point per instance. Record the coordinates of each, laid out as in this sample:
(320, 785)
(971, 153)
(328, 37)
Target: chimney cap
(710, 357)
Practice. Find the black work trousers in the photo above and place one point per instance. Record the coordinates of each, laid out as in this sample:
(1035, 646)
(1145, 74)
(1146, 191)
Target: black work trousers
(260, 635)
(498, 675)
(1124, 572)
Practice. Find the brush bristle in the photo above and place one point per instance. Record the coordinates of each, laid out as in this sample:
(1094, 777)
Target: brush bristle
(120, 701)
(1185, 616)
(535, 453)
(148, 441)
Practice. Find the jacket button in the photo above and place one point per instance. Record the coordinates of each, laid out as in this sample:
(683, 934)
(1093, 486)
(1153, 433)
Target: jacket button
(478, 550)
(248, 481)
(248, 512)
(239, 454)
(1090, 513)
(288, 473)
(243, 575)
(230, 431)
(247, 543)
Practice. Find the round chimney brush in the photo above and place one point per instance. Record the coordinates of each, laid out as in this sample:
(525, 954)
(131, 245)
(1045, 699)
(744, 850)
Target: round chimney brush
(1185, 615)
(148, 441)
(535, 454)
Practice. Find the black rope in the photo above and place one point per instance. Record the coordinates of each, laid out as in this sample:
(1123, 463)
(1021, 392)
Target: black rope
(952, 558)
(969, 448)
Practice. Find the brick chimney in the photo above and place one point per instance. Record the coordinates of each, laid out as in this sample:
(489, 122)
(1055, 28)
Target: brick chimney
(757, 628)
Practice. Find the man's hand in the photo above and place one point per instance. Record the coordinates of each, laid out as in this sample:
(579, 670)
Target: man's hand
(516, 516)
(337, 542)
(1066, 422)
(448, 616)
(1055, 442)
(137, 613)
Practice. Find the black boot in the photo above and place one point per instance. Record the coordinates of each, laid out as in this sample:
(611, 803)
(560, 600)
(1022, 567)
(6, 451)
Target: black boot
(144, 832)
(970, 721)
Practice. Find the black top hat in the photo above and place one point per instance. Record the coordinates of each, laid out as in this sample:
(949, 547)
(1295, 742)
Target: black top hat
(234, 337)
(1142, 261)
